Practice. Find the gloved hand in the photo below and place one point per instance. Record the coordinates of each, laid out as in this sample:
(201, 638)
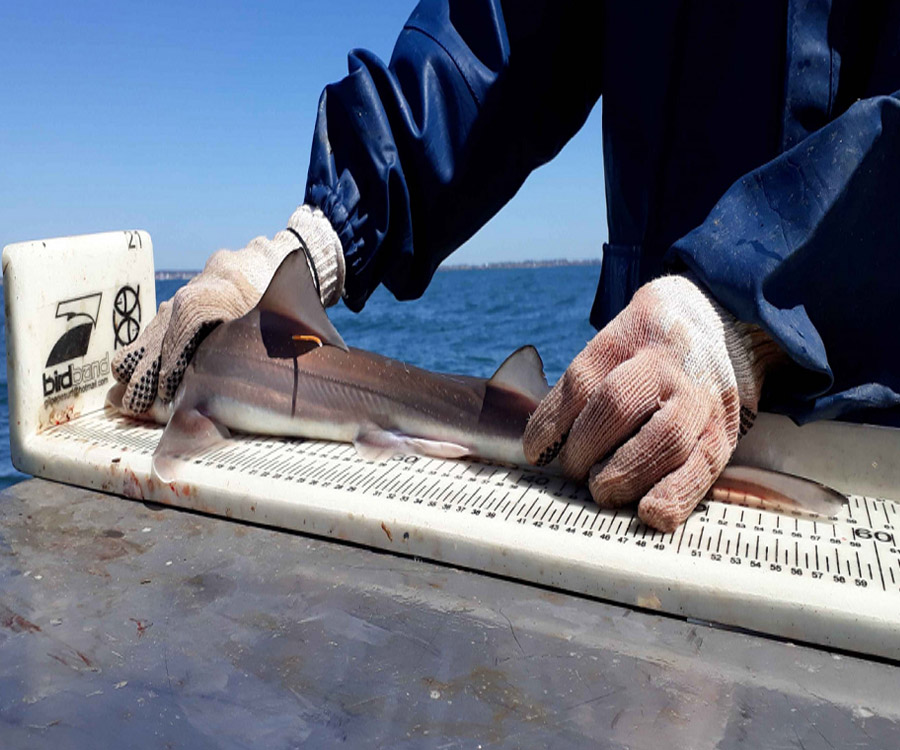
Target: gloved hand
(230, 285)
(652, 408)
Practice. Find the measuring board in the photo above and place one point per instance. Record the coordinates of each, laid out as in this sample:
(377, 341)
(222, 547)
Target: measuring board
(834, 582)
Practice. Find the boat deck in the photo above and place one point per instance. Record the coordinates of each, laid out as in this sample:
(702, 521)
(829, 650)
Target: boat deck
(135, 625)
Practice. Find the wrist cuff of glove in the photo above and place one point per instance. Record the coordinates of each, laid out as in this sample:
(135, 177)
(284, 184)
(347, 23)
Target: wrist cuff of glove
(322, 246)
(751, 350)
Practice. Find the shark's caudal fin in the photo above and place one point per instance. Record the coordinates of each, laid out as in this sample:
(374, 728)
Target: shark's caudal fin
(292, 320)
(774, 490)
(188, 432)
(522, 372)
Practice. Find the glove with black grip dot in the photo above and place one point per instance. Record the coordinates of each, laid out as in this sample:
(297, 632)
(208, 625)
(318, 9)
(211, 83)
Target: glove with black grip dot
(231, 284)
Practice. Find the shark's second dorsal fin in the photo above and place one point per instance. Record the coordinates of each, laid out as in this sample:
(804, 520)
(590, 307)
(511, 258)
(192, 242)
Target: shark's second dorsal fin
(291, 314)
(522, 372)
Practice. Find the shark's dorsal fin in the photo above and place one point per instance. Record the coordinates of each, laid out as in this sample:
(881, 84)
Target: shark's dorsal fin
(522, 372)
(291, 316)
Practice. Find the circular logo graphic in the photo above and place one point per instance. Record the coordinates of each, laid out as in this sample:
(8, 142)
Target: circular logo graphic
(126, 315)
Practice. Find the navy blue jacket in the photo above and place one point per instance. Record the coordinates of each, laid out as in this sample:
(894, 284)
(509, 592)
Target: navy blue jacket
(756, 144)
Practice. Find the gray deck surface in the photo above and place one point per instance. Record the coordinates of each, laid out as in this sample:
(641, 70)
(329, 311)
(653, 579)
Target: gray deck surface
(126, 625)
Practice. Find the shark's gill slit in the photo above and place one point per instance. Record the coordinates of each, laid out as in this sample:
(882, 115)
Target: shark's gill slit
(296, 384)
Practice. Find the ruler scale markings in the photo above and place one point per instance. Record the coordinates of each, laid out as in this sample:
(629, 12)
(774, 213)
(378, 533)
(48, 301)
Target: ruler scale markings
(868, 515)
(394, 484)
(580, 514)
(325, 476)
(402, 488)
(597, 517)
(455, 497)
(496, 500)
(445, 496)
(282, 466)
(719, 541)
(372, 477)
(353, 479)
(344, 472)
(391, 481)
(385, 480)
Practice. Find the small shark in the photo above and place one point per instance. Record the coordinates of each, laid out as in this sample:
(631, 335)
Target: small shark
(284, 370)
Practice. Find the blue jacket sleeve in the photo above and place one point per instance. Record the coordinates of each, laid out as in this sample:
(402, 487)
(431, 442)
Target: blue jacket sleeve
(409, 160)
(808, 247)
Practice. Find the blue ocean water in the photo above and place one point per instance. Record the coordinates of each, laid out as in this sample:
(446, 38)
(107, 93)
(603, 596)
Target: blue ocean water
(467, 322)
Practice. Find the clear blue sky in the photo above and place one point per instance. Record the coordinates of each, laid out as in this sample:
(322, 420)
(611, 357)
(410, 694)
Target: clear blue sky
(193, 120)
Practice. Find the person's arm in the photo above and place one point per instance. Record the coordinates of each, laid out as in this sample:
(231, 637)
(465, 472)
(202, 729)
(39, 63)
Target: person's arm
(797, 262)
(808, 248)
(412, 158)
(408, 161)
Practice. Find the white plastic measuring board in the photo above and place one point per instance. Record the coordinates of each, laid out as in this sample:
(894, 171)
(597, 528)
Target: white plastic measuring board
(833, 582)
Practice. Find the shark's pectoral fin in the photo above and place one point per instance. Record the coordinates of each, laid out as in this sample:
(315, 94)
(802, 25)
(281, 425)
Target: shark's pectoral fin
(375, 444)
(188, 433)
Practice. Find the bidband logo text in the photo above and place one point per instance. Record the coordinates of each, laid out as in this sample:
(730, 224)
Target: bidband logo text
(76, 379)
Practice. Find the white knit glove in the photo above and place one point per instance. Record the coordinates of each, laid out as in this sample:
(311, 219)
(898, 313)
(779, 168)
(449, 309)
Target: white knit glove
(652, 408)
(231, 284)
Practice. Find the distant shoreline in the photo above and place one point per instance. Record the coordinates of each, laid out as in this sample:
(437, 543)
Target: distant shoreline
(187, 275)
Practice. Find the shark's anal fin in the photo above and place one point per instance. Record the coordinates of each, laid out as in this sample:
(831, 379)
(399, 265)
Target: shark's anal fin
(522, 372)
(374, 444)
(188, 432)
(774, 490)
(292, 320)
